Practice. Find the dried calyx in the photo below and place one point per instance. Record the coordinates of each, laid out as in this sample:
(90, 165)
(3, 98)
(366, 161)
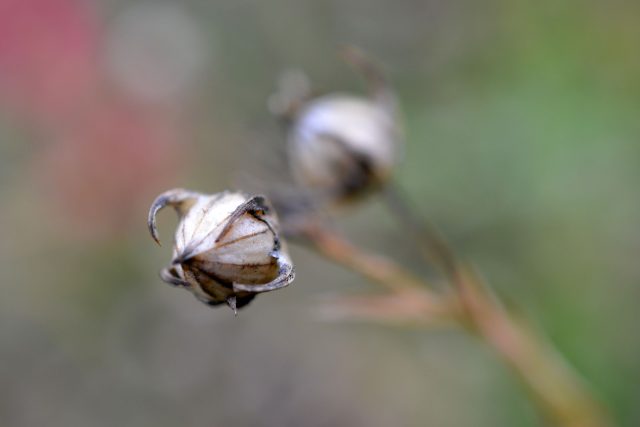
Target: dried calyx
(342, 146)
(227, 248)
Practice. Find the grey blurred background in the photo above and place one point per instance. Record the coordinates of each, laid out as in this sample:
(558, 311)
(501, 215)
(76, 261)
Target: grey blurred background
(522, 127)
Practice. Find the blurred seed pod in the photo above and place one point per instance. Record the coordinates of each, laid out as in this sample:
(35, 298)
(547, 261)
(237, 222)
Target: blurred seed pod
(227, 247)
(343, 146)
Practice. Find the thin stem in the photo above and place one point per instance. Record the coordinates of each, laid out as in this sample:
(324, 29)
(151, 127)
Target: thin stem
(374, 267)
(557, 389)
(434, 247)
(409, 295)
(554, 385)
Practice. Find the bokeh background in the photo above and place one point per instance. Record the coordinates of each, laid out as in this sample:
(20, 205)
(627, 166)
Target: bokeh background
(523, 146)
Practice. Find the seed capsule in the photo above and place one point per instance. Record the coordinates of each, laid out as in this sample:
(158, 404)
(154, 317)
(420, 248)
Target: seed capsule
(227, 248)
(342, 146)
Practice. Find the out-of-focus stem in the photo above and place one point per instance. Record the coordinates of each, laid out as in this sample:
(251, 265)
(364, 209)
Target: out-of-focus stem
(383, 271)
(374, 267)
(555, 387)
(433, 246)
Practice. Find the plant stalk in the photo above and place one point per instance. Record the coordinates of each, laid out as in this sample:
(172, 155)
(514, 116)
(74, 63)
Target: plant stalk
(555, 387)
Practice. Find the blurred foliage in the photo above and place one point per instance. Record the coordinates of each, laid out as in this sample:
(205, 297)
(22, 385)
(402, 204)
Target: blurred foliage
(522, 130)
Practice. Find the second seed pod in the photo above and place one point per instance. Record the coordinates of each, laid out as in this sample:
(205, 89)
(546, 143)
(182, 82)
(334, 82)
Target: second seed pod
(342, 146)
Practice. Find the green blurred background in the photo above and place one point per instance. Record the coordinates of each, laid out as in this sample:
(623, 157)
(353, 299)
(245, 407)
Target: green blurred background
(523, 146)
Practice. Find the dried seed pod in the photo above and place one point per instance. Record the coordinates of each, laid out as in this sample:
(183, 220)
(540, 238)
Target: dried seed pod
(343, 146)
(227, 248)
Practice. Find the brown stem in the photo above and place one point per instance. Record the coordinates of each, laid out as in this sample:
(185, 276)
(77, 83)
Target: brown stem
(374, 267)
(554, 385)
(405, 287)
(434, 247)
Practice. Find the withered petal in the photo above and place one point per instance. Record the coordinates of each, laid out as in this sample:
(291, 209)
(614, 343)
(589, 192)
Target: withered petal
(176, 198)
(286, 276)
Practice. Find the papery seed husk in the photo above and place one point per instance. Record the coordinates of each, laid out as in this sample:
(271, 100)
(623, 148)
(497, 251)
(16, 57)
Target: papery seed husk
(226, 246)
(343, 144)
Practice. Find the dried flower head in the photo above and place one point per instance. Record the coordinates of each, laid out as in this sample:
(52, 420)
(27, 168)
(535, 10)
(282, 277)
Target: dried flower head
(227, 248)
(341, 145)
